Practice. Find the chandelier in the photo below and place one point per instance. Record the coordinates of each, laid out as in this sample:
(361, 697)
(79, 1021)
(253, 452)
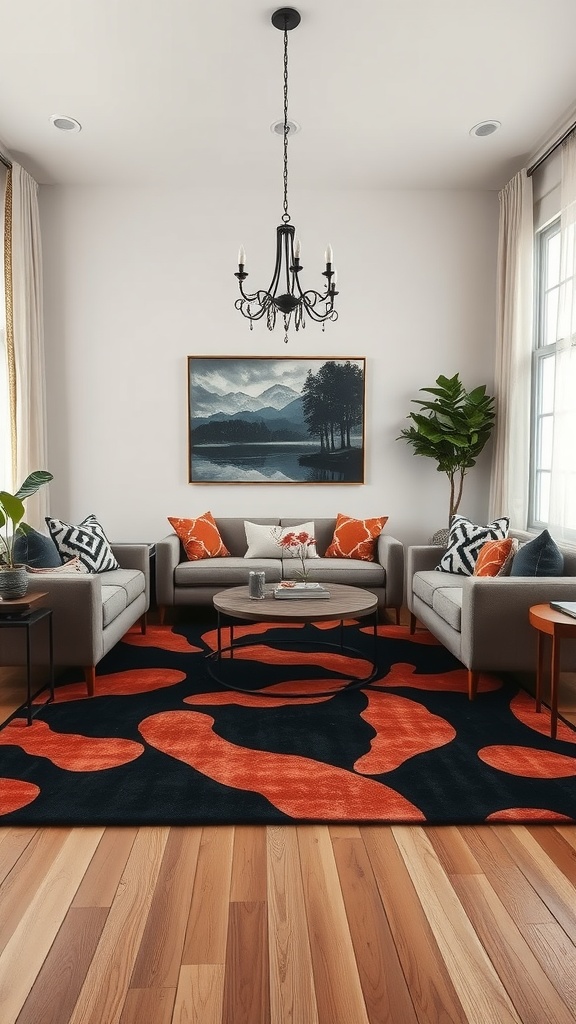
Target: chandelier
(284, 295)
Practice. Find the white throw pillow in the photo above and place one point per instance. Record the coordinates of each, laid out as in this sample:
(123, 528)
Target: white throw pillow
(263, 541)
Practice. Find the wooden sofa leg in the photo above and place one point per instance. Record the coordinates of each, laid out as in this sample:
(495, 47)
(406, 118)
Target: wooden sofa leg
(412, 622)
(143, 623)
(90, 677)
(473, 678)
(161, 614)
(397, 610)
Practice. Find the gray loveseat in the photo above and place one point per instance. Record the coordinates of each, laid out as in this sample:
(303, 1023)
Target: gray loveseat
(181, 582)
(90, 612)
(483, 621)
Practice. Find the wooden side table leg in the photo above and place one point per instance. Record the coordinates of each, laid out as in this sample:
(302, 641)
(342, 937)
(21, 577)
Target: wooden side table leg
(554, 673)
(539, 670)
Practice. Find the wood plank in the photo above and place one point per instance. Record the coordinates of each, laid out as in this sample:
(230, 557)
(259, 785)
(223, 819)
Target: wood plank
(337, 983)
(552, 885)
(42, 915)
(13, 843)
(433, 993)
(118, 947)
(557, 955)
(248, 865)
(561, 853)
(148, 1006)
(246, 980)
(199, 995)
(159, 957)
(207, 928)
(383, 983)
(512, 887)
(19, 886)
(344, 831)
(525, 981)
(479, 988)
(453, 851)
(292, 996)
(100, 882)
(55, 991)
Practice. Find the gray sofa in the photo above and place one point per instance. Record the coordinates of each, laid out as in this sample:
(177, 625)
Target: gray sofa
(180, 582)
(90, 612)
(483, 621)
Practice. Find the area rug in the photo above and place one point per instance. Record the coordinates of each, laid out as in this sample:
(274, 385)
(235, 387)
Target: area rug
(162, 743)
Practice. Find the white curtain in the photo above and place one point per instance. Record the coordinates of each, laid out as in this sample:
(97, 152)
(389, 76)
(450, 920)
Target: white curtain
(28, 340)
(563, 477)
(509, 485)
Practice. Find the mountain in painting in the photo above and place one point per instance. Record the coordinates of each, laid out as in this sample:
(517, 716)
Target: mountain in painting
(204, 404)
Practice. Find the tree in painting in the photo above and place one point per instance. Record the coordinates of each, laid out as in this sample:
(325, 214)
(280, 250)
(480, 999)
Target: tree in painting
(333, 404)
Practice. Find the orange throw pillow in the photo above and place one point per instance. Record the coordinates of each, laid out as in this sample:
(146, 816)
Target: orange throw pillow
(495, 557)
(200, 537)
(355, 538)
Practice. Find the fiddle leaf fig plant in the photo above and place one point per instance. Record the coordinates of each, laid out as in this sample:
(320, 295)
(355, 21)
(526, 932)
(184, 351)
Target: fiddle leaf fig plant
(12, 514)
(451, 428)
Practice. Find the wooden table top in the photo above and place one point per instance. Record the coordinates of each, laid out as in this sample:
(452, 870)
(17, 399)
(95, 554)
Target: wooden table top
(344, 602)
(549, 620)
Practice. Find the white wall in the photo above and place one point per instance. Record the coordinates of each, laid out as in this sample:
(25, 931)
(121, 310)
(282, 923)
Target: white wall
(138, 279)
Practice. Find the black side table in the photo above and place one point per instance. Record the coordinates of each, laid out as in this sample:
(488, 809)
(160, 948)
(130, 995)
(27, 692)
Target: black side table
(21, 613)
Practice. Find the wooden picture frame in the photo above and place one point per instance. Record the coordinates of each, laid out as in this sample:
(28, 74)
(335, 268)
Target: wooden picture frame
(260, 419)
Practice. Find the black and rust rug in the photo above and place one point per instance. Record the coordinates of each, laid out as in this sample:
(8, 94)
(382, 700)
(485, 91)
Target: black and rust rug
(163, 743)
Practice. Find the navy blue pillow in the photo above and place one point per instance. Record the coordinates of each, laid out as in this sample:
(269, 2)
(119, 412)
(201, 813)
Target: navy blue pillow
(539, 557)
(36, 550)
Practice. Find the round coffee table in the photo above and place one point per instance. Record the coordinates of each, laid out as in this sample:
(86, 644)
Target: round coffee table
(344, 602)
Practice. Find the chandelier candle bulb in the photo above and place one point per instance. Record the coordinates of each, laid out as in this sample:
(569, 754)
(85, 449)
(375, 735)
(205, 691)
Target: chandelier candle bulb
(328, 255)
(297, 249)
(241, 256)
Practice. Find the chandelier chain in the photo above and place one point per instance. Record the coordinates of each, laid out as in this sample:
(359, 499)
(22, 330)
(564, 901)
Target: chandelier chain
(286, 215)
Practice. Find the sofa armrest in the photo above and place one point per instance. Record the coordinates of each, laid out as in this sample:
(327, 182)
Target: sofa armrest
(390, 554)
(422, 558)
(76, 603)
(495, 611)
(168, 556)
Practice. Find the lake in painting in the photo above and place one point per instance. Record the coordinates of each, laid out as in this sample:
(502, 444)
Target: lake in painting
(261, 420)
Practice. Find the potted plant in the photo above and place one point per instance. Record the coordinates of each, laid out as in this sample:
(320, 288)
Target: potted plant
(452, 428)
(13, 577)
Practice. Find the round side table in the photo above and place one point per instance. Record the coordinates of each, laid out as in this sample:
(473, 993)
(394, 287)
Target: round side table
(558, 626)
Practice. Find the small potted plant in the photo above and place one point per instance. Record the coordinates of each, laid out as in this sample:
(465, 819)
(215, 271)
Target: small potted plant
(452, 429)
(298, 544)
(13, 577)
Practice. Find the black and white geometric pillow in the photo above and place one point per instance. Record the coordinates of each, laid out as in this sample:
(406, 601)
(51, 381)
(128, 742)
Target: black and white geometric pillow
(87, 541)
(465, 540)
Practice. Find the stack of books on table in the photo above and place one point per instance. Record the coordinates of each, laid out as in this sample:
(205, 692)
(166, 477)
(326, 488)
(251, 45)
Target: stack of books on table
(290, 591)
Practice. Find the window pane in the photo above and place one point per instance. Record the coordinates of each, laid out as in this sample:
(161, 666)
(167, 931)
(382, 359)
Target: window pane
(546, 431)
(551, 317)
(542, 497)
(552, 258)
(546, 405)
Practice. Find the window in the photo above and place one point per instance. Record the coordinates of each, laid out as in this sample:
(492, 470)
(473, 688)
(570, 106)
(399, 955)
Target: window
(6, 481)
(554, 283)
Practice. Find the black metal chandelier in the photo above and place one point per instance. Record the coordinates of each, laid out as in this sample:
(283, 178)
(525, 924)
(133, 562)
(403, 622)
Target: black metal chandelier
(284, 295)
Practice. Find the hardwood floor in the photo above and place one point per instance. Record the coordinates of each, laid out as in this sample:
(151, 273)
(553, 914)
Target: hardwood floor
(288, 925)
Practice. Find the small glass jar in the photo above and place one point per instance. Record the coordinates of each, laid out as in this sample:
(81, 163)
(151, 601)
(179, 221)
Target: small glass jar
(256, 585)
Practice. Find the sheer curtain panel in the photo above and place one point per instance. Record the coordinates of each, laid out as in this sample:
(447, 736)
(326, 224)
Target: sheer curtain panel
(509, 485)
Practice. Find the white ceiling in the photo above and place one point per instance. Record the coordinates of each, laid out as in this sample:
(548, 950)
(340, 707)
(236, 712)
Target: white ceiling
(184, 92)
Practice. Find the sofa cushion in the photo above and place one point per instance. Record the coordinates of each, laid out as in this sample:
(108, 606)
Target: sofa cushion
(36, 550)
(495, 557)
(113, 603)
(225, 572)
(132, 581)
(200, 537)
(539, 557)
(465, 540)
(353, 572)
(355, 538)
(447, 603)
(426, 582)
(264, 541)
(87, 540)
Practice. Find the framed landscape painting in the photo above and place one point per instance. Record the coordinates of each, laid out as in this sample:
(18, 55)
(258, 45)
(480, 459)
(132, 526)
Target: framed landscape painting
(283, 421)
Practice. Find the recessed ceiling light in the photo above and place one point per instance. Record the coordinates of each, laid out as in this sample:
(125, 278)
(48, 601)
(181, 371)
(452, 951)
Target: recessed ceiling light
(278, 128)
(65, 124)
(485, 128)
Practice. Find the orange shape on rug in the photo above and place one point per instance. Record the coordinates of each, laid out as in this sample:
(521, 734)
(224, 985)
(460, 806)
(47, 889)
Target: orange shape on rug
(403, 729)
(422, 636)
(456, 680)
(14, 794)
(528, 814)
(298, 786)
(262, 699)
(523, 706)
(210, 638)
(528, 762)
(355, 668)
(73, 752)
(119, 684)
(160, 636)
